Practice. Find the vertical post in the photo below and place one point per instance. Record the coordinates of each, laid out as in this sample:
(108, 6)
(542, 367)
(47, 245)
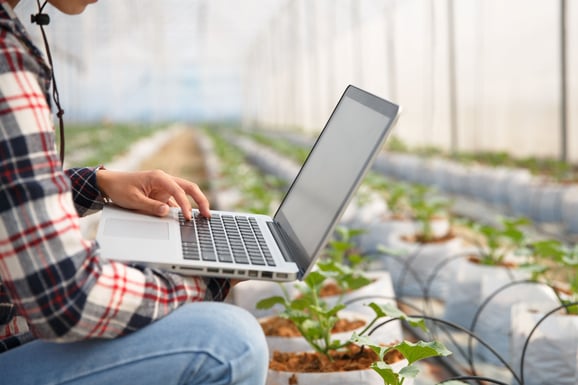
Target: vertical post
(390, 51)
(563, 86)
(356, 42)
(452, 79)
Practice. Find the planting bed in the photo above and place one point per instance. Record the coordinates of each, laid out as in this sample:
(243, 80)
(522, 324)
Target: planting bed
(189, 156)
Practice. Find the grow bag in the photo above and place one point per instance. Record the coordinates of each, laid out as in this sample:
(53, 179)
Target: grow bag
(551, 351)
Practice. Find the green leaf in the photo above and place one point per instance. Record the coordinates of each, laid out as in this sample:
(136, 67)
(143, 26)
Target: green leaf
(314, 280)
(390, 310)
(410, 371)
(421, 350)
(366, 341)
(386, 372)
(268, 303)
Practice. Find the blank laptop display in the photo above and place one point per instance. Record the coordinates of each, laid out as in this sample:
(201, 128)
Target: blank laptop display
(284, 247)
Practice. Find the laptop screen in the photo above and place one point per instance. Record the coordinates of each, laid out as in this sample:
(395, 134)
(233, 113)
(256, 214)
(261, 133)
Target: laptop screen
(333, 170)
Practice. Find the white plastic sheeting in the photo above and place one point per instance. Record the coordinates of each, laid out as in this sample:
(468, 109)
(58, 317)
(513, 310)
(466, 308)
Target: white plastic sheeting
(486, 76)
(470, 74)
(150, 59)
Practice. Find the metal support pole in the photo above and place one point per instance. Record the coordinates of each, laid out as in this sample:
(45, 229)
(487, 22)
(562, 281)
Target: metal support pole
(563, 85)
(452, 79)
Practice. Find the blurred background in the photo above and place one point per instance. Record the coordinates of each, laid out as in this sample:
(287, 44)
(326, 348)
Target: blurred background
(471, 75)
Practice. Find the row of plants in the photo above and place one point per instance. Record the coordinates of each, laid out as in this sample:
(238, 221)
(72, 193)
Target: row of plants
(94, 144)
(513, 187)
(508, 259)
(247, 189)
(315, 317)
(556, 169)
(337, 247)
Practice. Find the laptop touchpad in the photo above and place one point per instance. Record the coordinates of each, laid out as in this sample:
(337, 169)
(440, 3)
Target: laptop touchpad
(124, 228)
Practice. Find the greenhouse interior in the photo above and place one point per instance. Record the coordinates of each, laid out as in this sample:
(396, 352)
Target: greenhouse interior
(458, 248)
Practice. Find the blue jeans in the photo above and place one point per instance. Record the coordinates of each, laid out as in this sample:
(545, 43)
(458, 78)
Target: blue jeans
(207, 343)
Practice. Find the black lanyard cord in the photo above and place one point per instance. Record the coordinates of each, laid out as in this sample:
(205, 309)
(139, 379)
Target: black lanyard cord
(42, 20)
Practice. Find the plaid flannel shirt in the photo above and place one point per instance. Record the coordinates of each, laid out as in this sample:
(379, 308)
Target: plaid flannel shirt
(53, 283)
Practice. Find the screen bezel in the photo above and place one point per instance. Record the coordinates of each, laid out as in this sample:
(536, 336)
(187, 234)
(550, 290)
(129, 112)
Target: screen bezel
(382, 106)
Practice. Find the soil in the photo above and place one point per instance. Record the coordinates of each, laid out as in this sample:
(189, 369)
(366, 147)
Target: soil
(353, 358)
(421, 239)
(282, 327)
(509, 265)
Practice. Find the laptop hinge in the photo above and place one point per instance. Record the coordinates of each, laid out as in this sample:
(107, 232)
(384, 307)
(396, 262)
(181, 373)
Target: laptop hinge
(290, 253)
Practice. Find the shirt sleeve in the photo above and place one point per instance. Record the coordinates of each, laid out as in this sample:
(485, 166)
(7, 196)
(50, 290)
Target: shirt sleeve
(85, 193)
(56, 279)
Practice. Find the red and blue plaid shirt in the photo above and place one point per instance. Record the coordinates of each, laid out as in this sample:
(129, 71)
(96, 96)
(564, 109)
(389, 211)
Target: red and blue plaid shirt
(53, 283)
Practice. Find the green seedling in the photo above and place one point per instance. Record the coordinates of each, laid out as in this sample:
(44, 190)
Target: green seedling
(412, 352)
(495, 243)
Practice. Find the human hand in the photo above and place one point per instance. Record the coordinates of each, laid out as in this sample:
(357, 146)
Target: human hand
(151, 192)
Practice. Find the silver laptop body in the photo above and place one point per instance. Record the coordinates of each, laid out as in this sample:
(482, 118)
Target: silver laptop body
(291, 241)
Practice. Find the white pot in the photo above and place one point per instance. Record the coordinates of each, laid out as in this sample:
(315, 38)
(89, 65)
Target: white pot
(411, 274)
(464, 295)
(458, 178)
(570, 210)
(377, 233)
(476, 181)
(247, 294)
(494, 320)
(547, 202)
(356, 377)
(440, 173)
(377, 291)
(551, 353)
(299, 344)
(498, 181)
(407, 167)
(369, 207)
(513, 177)
(520, 195)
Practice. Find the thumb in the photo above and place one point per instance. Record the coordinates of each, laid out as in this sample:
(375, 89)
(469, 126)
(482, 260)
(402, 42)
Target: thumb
(154, 207)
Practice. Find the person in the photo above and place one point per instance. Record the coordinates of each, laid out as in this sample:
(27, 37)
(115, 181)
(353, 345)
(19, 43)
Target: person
(69, 316)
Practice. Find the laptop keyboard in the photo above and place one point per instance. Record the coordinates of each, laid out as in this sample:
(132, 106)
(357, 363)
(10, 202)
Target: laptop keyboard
(224, 238)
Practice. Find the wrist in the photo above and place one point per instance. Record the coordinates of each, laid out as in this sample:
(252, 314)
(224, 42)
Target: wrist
(102, 181)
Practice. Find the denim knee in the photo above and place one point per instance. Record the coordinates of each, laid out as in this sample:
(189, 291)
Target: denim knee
(237, 339)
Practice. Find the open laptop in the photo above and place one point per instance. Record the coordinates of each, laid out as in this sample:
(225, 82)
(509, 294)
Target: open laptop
(282, 248)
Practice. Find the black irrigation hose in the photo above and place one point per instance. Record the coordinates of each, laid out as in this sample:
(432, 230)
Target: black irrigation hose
(403, 262)
(423, 311)
(440, 266)
(522, 359)
(371, 297)
(464, 330)
(485, 303)
(406, 267)
(476, 378)
(409, 305)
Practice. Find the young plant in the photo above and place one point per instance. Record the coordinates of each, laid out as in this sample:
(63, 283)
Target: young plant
(425, 209)
(312, 317)
(342, 263)
(412, 352)
(495, 243)
(396, 195)
(559, 262)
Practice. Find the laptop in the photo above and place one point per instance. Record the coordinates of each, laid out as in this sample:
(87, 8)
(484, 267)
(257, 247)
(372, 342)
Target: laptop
(284, 247)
